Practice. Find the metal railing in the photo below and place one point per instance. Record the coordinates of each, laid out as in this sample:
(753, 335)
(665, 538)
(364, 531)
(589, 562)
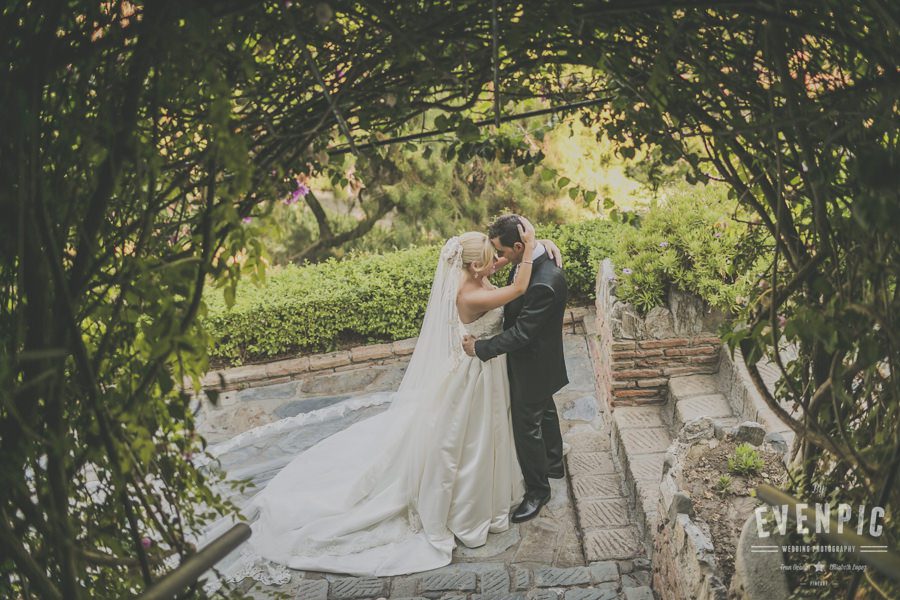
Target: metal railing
(197, 564)
(885, 562)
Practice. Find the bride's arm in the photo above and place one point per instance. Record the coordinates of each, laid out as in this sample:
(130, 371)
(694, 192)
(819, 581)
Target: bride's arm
(482, 300)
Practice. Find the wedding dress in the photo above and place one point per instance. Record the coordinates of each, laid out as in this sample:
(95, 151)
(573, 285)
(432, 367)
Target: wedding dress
(391, 494)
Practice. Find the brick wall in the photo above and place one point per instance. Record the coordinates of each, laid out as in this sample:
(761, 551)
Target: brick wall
(639, 353)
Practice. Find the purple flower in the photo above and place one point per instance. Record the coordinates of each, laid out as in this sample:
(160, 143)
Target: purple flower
(246, 219)
(627, 271)
(664, 244)
(717, 234)
(301, 191)
(146, 542)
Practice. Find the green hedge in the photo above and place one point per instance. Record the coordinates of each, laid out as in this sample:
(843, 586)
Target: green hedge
(378, 297)
(688, 241)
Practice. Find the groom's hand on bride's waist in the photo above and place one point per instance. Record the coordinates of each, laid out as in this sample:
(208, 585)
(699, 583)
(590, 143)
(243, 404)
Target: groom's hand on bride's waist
(468, 343)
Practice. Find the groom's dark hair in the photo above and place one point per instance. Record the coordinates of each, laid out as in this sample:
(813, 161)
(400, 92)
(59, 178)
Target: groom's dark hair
(506, 228)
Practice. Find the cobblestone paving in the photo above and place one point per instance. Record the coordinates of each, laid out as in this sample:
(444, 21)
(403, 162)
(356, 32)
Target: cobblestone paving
(583, 546)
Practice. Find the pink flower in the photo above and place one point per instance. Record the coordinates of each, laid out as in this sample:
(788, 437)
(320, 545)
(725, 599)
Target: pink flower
(146, 542)
(246, 219)
(717, 234)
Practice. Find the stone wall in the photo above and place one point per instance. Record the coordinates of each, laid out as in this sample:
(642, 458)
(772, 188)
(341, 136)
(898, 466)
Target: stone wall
(639, 353)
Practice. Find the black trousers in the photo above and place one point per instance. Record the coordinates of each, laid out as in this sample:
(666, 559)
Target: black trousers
(538, 441)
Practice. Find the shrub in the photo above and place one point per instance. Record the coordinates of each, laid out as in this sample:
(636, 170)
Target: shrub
(583, 246)
(378, 297)
(746, 460)
(688, 241)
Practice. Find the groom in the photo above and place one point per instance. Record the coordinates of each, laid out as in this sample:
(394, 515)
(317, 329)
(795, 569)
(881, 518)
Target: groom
(532, 340)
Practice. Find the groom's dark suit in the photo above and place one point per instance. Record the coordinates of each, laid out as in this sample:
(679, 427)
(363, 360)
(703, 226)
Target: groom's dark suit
(532, 341)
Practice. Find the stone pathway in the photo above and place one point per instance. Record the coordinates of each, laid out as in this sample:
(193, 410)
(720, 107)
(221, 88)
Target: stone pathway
(585, 545)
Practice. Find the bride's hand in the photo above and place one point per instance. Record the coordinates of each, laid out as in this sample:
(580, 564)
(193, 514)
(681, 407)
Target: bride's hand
(553, 251)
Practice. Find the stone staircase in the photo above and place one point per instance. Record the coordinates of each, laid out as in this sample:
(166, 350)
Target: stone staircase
(642, 434)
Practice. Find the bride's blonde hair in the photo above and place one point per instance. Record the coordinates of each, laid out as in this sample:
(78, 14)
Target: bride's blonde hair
(477, 250)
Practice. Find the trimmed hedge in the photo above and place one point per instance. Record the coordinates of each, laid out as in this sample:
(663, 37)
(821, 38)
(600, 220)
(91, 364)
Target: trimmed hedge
(379, 297)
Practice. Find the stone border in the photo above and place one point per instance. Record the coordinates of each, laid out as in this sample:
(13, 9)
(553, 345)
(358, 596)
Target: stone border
(684, 558)
(281, 371)
(606, 580)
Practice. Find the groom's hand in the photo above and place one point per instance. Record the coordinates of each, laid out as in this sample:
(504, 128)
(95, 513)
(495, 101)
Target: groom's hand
(469, 345)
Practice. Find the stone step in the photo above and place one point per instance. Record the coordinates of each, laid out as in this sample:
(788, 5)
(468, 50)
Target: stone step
(640, 440)
(682, 388)
(714, 406)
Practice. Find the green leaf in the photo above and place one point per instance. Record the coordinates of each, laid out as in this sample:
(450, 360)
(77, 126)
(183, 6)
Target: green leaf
(467, 131)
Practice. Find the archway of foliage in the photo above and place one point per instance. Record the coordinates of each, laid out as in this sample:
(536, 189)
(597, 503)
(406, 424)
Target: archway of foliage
(138, 136)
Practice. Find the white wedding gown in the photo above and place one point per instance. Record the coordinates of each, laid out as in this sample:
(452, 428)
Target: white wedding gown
(391, 494)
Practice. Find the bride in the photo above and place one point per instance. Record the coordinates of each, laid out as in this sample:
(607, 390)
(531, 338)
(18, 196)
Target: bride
(391, 494)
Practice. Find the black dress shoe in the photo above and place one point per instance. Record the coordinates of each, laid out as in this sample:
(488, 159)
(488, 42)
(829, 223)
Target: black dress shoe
(556, 472)
(529, 508)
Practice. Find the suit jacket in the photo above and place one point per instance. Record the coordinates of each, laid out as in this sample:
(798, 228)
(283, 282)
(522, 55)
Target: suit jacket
(532, 334)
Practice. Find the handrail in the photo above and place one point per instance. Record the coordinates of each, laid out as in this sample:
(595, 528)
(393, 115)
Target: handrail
(197, 564)
(886, 563)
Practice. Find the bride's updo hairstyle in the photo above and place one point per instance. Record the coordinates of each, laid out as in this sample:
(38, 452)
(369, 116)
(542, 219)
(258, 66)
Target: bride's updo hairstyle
(476, 250)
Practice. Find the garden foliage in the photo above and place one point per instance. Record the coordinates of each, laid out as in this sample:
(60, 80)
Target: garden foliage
(692, 242)
(377, 297)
